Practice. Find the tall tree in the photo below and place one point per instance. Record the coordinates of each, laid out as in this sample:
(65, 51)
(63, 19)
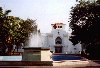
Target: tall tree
(3, 30)
(85, 25)
(14, 30)
(26, 27)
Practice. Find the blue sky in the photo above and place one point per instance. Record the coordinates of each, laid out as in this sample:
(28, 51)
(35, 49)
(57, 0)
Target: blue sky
(45, 11)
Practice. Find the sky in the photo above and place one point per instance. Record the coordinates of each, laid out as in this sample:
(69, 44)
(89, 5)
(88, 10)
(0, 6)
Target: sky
(45, 12)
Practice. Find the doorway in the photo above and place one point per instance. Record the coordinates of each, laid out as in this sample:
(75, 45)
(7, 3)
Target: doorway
(58, 46)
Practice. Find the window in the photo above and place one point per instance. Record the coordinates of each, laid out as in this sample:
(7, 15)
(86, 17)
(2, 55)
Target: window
(60, 26)
(58, 40)
(74, 48)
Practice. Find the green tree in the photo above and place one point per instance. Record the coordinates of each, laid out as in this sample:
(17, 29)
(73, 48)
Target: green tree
(3, 30)
(12, 24)
(14, 30)
(85, 25)
(26, 27)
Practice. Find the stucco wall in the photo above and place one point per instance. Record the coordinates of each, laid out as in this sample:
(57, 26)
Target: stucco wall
(67, 46)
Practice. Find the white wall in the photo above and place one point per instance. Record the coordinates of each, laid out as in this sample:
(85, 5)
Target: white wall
(67, 45)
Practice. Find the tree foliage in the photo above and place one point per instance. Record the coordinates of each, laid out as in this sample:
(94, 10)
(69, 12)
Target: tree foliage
(14, 30)
(85, 25)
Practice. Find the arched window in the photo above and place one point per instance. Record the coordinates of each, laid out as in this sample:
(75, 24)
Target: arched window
(58, 40)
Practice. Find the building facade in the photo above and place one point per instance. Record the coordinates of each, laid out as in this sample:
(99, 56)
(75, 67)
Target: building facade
(58, 41)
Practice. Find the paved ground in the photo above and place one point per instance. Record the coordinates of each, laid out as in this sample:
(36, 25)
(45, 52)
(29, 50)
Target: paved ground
(68, 64)
(76, 64)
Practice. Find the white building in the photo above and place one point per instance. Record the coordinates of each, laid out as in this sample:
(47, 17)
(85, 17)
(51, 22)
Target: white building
(58, 40)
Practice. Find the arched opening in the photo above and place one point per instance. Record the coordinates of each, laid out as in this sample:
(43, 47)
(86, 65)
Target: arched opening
(58, 40)
(58, 46)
